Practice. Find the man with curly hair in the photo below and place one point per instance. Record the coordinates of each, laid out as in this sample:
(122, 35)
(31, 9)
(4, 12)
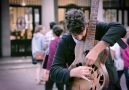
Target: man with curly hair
(107, 34)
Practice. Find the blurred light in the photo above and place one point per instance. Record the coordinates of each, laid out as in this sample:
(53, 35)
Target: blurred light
(23, 3)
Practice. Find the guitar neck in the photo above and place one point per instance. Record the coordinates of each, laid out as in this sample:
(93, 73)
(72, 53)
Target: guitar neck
(90, 38)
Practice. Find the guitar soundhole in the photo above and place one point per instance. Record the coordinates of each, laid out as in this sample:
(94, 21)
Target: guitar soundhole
(86, 52)
(95, 87)
(97, 75)
(78, 64)
(94, 68)
(101, 80)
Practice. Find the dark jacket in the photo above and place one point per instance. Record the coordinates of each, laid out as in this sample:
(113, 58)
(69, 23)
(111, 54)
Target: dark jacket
(108, 32)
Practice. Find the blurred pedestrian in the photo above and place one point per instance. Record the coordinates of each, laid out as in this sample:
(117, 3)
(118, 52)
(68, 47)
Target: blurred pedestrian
(38, 45)
(121, 59)
(125, 57)
(48, 38)
(49, 35)
(57, 31)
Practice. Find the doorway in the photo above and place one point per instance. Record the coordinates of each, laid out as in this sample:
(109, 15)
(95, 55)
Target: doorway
(23, 21)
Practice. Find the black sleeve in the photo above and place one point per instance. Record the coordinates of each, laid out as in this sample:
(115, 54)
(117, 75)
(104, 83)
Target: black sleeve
(109, 32)
(59, 72)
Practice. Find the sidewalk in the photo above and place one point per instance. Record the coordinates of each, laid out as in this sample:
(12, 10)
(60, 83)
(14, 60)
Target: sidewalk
(18, 73)
(9, 63)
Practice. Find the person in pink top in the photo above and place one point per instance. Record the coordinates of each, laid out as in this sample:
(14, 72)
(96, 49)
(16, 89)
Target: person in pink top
(125, 57)
(57, 31)
(121, 59)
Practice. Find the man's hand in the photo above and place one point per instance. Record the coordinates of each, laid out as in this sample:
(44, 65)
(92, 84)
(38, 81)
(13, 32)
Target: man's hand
(92, 56)
(81, 72)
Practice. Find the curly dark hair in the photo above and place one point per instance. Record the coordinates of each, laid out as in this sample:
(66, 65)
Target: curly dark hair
(75, 21)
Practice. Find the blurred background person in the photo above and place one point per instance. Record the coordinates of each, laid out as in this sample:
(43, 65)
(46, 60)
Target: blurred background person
(48, 37)
(57, 31)
(121, 58)
(38, 45)
(125, 57)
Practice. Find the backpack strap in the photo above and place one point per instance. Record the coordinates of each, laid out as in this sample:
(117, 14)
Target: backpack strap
(112, 72)
(121, 43)
(110, 60)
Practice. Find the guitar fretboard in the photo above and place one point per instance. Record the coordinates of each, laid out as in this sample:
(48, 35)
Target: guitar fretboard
(89, 42)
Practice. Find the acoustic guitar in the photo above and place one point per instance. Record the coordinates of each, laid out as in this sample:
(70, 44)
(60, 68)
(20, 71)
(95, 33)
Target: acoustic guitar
(98, 78)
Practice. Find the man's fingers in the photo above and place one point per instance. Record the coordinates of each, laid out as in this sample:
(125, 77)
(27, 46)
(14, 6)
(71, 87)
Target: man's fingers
(84, 77)
(86, 68)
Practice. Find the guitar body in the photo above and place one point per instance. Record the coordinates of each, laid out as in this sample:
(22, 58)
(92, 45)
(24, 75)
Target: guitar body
(99, 76)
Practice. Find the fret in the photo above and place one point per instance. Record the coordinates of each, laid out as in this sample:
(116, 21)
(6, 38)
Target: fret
(93, 14)
(95, 3)
(93, 29)
(92, 21)
(95, 6)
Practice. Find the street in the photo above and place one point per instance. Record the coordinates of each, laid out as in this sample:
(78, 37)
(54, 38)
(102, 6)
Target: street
(18, 73)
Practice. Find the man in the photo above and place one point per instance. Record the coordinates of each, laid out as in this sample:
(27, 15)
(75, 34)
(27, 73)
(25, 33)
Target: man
(106, 33)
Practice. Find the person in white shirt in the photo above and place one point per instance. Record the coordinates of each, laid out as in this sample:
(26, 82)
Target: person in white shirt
(48, 38)
(118, 61)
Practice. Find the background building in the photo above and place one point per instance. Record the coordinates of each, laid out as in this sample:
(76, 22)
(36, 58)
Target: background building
(19, 18)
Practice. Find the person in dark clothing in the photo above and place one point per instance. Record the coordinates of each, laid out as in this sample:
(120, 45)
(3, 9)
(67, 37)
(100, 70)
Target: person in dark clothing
(107, 34)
